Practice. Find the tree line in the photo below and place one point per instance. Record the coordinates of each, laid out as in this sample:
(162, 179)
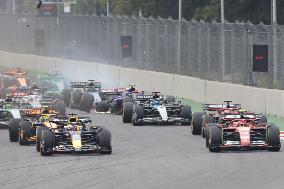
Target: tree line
(255, 11)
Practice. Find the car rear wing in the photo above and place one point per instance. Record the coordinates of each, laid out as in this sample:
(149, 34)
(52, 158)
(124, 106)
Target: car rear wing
(18, 94)
(86, 84)
(64, 120)
(216, 107)
(143, 98)
(56, 74)
(36, 112)
(110, 92)
(47, 101)
(17, 72)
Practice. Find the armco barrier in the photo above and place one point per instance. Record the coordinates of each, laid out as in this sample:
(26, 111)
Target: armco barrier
(260, 100)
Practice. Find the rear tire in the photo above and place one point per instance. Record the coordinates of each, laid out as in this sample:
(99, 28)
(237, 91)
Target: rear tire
(105, 141)
(25, 132)
(273, 138)
(127, 112)
(66, 96)
(263, 119)
(87, 102)
(127, 99)
(170, 99)
(60, 107)
(186, 114)
(14, 129)
(196, 124)
(75, 99)
(102, 106)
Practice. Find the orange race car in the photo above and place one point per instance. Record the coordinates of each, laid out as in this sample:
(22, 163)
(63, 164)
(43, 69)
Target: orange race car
(23, 130)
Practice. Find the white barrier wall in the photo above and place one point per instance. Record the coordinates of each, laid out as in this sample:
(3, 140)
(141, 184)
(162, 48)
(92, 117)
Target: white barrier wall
(260, 100)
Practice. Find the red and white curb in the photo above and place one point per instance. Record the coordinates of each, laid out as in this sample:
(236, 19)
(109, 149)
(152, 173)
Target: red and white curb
(282, 135)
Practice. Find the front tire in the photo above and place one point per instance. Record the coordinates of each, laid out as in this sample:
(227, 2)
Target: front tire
(127, 112)
(14, 129)
(46, 144)
(25, 132)
(105, 141)
(273, 138)
(186, 114)
(196, 124)
(138, 115)
(215, 139)
(207, 119)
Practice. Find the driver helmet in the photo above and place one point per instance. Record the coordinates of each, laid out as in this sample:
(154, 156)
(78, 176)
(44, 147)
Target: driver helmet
(34, 86)
(73, 120)
(156, 95)
(8, 99)
(44, 118)
(131, 88)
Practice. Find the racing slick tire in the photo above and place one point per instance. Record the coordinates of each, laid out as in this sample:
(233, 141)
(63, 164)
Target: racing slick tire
(273, 138)
(196, 123)
(66, 93)
(25, 132)
(75, 99)
(86, 103)
(38, 137)
(170, 99)
(60, 107)
(72, 106)
(59, 97)
(105, 142)
(127, 112)
(14, 129)
(127, 99)
(138, 114)
(263, 119)
(102, 106)
(206, 120)
(215, 139)
(186, 114)
(207, 136)
(46, 143)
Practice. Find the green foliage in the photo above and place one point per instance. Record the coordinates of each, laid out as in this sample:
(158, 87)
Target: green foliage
(263, 81)
(29, 6)
(85, 7)
(208, 10)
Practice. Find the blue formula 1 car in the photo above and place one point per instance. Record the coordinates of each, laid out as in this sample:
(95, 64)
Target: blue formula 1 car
(112, 100)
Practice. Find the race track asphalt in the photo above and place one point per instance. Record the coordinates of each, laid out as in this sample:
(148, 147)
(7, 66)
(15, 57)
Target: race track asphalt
(143, 157)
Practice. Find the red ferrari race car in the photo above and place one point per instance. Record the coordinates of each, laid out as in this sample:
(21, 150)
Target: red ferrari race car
(211, 114)
(242, 132)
